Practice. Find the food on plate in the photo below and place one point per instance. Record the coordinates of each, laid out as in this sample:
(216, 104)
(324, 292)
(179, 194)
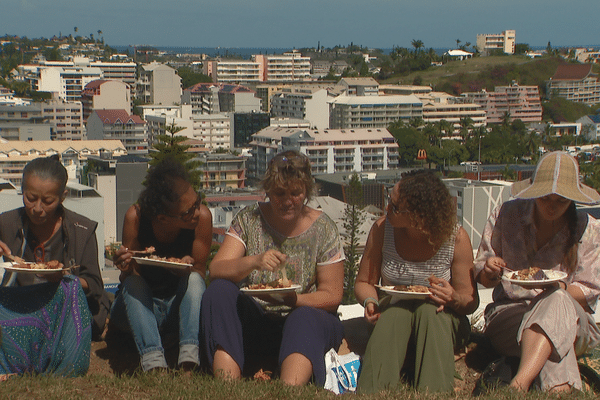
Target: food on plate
(529, 274)
(412, 288)
(168, 259)
(40, 265)
(277, 284)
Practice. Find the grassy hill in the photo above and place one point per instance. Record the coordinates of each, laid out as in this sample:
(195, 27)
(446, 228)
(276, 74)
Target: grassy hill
(478, 73)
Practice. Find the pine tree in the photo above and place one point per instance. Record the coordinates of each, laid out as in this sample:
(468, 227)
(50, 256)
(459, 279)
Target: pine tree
(353, 218)
(170, 145)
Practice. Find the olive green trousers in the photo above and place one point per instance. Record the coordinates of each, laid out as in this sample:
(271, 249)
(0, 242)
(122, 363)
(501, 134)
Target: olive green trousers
(413, 341)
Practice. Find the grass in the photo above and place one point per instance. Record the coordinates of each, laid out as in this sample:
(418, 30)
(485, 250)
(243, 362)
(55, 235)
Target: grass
(198, 386)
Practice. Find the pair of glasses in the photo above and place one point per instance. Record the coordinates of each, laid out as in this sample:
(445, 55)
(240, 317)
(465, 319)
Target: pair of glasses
(395, 208)
(187, 216)
(295, 161)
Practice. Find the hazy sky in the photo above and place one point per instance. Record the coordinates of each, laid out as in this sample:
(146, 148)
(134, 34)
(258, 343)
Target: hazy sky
(303, 23)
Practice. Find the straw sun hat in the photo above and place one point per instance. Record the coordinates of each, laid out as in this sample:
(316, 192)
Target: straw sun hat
(558, 173)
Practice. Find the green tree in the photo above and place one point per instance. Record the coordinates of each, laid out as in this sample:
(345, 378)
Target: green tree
(353, 219)
(190, 78)
(417, 44)
(170, 145)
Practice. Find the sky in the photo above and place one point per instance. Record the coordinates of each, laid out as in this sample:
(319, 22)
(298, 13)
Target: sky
(305, 23)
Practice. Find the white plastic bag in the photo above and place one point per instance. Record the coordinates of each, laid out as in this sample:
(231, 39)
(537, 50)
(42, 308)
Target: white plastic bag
(341, 372)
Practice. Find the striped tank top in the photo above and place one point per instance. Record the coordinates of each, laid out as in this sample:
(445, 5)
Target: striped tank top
(397, 271)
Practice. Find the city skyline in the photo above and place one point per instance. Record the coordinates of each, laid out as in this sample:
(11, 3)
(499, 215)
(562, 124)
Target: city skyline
(281, 24)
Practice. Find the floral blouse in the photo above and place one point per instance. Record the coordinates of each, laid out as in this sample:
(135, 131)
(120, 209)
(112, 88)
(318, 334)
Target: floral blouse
(319, 245)
(510, 233)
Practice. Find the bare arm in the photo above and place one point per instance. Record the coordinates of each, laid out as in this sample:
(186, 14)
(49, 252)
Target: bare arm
(232, 263)
(131, 226)
(330, 289)
(369, 271)
(461, 294)
(202, 241)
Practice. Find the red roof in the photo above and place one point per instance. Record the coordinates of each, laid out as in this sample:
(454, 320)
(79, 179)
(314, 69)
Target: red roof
(112, 116)
(572, 72)
(95, 84)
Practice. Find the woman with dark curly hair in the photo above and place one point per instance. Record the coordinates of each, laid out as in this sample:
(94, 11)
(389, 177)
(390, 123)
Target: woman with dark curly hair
(151, 300)
(418, 242)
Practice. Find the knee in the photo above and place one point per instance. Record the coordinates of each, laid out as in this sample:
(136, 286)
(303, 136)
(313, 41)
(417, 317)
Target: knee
(195, 284)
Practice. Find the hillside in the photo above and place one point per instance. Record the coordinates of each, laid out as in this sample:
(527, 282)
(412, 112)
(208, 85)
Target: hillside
(478, 73)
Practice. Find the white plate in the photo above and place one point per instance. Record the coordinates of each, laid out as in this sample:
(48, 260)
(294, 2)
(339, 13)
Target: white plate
(9, 267)
(402, 295)
(553, 276)
(252, 292)
(161, 263)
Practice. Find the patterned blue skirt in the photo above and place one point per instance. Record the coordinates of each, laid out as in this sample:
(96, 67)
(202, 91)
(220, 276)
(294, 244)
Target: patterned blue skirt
(45, 328)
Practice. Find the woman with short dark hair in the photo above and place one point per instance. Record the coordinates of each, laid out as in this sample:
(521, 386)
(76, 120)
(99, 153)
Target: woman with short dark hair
(42, 231)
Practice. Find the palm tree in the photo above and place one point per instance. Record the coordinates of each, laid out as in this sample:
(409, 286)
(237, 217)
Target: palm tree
(466, 125)
(458, 43)
(417, 44)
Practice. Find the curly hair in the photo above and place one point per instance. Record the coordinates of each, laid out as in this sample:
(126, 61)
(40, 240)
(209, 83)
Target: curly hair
(160, 196)
(431, 206)
(47, 168)
(289, 168)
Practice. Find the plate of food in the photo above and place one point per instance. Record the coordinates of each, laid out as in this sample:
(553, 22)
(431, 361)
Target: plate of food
(405, 292)
(276, 287)
(38, 268)
(156, 261)
(533, 277)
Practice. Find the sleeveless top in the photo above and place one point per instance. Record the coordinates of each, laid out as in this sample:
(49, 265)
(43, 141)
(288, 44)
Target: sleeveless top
(162, 282)
(397, 271)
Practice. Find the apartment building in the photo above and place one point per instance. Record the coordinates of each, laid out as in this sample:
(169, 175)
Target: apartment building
(54, 119)
(73, 154)
(288, 67)
(357, 112)
(224, 171)
(66, 117)
(68, 82)
(310, 103)
(158, 84)
(105, 94)
(403, 90)
(214, 98)
(520, 102)
(233, 71)
(68, 78)
(438, 106)
(359, 86)
(575, 82)
(329, 150)
(505, 42)
(247, 124)
(213, 131)
(119, 125)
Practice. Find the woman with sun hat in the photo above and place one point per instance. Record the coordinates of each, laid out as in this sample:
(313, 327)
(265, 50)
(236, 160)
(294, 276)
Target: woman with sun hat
(549, 325)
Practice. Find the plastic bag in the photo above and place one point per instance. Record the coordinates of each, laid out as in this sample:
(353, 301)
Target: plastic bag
(342, 372)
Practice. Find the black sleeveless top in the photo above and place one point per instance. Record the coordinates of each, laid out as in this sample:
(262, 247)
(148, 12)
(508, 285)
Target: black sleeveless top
(162, 282)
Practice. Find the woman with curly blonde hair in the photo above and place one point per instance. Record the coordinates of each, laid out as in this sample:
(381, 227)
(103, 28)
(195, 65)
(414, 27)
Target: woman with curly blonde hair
(418, 242)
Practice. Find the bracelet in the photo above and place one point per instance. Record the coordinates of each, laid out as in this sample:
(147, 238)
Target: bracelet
(372, 300)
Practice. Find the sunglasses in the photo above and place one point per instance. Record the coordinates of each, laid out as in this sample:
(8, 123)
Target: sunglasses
(188, 215)
(395, 208)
